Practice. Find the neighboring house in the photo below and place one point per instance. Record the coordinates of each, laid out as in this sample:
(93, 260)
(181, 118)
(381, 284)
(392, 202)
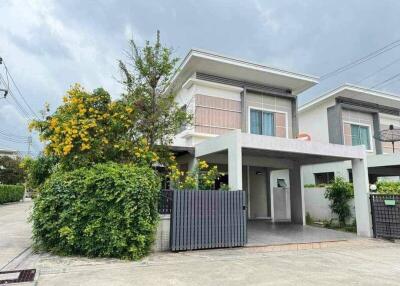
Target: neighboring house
(246, 122)
(351, 115)
(9, 153)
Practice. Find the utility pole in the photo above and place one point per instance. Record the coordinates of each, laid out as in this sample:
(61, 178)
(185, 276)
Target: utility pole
(5, 91)
(29, 144)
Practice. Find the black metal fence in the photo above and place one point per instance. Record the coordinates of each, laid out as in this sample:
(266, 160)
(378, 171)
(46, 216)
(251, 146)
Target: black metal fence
(385, 211)
(208, 219)
(165, 202)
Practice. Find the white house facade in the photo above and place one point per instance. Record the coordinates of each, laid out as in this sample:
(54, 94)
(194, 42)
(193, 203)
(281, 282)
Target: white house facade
(351, 115)
(245, 120)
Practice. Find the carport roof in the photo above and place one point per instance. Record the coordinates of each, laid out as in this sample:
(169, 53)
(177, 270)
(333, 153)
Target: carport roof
(305, 152)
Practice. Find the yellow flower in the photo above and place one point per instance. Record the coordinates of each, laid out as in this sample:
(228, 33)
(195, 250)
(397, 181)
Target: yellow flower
(53, 123)
(85, 146)
(67, 149)
(203, 165)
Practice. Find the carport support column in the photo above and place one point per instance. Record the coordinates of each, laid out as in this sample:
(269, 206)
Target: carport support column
(235, 166)
(361, 197)
(297, 207)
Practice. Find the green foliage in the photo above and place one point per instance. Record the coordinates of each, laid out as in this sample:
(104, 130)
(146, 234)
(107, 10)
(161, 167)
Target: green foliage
(309, 219)
(340, 192)
(38, 170)
(387, 187)
(108, 210)
(334, 225)
(202, 177)
(10, 171)
(315, 186)
(146, 78)
(11, 193)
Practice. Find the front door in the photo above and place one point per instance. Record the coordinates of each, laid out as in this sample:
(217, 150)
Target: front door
(258, 193)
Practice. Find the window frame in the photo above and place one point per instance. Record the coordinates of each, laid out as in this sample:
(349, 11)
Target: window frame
(270, 111)
(369, 131)
(327, 174)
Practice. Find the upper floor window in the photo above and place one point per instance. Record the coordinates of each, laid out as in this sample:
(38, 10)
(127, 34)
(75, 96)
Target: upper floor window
(262, 122)
(360, 135)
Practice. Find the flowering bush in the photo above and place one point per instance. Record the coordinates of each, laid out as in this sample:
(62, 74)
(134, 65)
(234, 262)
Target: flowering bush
(202, 177)
(90, 128)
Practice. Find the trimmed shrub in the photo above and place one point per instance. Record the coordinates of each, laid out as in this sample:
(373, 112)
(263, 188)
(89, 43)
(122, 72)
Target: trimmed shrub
(11, 193)
(109, 210)
(340, 192)
(384, 187)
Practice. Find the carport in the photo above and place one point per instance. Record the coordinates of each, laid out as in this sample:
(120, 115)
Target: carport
(243, 153)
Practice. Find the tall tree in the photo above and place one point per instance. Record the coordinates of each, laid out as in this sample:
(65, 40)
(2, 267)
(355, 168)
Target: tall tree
(147, 78)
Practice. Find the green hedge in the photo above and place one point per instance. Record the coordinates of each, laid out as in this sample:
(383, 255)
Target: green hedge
(388, 187)
(108, 210)
(11, 193)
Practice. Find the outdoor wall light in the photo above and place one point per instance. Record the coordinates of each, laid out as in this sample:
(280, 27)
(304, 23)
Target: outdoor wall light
(258, 173)
(372, 188)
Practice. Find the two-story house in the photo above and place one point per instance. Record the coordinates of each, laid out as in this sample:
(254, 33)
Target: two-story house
(245, 120)
(352, 115)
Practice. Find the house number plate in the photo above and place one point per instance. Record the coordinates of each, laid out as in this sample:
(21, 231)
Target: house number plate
(390, 202)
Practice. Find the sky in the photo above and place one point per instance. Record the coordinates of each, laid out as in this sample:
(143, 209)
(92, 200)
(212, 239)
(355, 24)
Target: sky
(49, 45)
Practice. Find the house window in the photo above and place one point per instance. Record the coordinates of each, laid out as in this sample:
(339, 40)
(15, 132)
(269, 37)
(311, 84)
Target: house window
(324, 178)
(360, 136)
(262, 122)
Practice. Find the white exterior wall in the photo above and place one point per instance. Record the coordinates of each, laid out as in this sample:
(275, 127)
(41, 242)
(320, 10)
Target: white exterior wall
(314, 121)
(318, 206)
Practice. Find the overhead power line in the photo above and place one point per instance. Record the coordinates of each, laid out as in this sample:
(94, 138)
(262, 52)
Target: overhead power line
(386, 81)
(20, 108)
(379, 70)
(18, 90)
(361, 60)
(12, 135)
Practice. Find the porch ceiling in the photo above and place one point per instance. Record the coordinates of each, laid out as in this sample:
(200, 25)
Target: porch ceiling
(257, 146)
(304, 159)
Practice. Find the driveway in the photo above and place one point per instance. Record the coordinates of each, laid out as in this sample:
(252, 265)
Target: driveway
(14, 232)
(353, 262)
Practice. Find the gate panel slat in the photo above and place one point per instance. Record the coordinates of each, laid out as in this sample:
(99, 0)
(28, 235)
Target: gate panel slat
(192, 220)
(228, 221)
(239, 203)
(207, 212)
(203, 219)
(224, 220)
(234, 217)
(219, 194)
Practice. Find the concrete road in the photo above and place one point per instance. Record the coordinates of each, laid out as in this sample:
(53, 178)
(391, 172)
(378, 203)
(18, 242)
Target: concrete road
(354, 262)
(15, 232)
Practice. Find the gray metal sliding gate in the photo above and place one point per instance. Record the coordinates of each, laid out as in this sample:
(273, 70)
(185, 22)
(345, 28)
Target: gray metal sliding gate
(385, 211)
(208, 219)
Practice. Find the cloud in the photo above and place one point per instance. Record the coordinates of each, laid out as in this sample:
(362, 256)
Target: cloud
(49, 45)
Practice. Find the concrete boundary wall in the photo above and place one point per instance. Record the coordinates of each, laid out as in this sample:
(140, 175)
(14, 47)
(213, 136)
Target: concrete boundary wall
(318, 206)
(161, 241)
